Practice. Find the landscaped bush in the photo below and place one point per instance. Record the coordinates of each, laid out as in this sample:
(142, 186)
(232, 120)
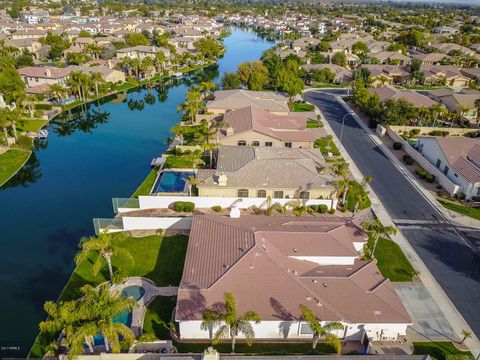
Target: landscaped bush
(331, 211)
(430, 178)
(476, 198)
(460, 196)
(397, 145)
(43, 106)
(473, 134)
(183, 206)
(421, 172)
(438, 133)
(322, 209)
(413, 132)
(178, 151)
(38, 113)
(408, 159)
(315, 208)
(217, 208)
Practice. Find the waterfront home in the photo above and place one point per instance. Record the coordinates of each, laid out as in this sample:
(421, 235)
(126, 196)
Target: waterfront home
(387, 74)
(389, 92)
(45, 75)
(108, 74)
(457, 157)
(462, 102)
(140, 52)
(444, 75)
(342, 75)
(273, 264)
(279, 173)
(304, 44)
(182, 42)
(252, 126)
(227, 100)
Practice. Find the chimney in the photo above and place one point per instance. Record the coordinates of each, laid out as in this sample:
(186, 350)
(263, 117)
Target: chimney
(229, 131)
(110, 63)
(222, 180)
(210, 354)
(48, 73)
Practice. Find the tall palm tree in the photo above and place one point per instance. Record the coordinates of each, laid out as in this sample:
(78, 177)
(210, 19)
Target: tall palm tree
(103, 246)
(96, 79)
(322, 332)
(341, 171)
(376, 229)
(206, 87)
(476, 104)
(230, 323)
(93, 50)
(100, 307)
(159, 61)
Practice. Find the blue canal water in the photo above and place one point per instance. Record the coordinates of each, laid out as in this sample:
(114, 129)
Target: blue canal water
(92, 154)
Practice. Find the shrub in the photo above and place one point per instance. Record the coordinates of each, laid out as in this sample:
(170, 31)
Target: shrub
(331, 211)
(315, 207)
(421, 172)
(188, 206)
(438, 133)
(473, 134)
(476, 198)
(397, 145)
(217, 208)
(460, 196)
(322, 209)
(407, 159)
(413, 132)
(43, 106)
(430, 178)
(178, 151)
(37, 113)
(178, 206)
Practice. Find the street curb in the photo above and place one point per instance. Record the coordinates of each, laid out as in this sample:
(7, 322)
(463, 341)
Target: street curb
(451, 313)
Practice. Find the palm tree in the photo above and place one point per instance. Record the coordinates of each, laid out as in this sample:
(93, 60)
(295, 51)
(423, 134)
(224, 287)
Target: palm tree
(341, 171)
(93, 50)
(57, 91)
(298, 209)
(359, 195)
(195, 158)
(104, 246)
(322, 332)
(96, 78)
(209, 147)
(146, 65)
(159, 61)
(206, 87)
(376, 229)
(476, 104)
(100, 307)
(230, 323)
(193, 181)
(466, 334)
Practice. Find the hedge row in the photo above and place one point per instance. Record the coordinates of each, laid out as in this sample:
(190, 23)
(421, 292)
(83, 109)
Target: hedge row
(184, 206)
(424, 174)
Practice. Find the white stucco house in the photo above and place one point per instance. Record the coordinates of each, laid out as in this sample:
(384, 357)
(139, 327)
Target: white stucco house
(457, 157)
(273, 264)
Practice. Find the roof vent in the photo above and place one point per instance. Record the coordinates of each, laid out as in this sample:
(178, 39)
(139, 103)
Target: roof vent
(309, 298)
(377, 312)
(295, 250)
(324, 284)
(315, 281)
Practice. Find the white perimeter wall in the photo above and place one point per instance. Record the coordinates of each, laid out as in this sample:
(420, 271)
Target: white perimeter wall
(291, 330)
(164, 202)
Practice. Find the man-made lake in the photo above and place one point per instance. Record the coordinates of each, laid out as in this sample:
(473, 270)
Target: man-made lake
(92, 154)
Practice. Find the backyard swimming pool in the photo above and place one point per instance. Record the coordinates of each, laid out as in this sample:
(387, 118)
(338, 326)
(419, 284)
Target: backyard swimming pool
(172, 181)
(134, 291)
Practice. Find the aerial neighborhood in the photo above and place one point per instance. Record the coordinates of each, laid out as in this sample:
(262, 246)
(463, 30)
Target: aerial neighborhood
(289, 180)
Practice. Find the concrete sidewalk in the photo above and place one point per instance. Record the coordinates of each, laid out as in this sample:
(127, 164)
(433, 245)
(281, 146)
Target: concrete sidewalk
(443, 302)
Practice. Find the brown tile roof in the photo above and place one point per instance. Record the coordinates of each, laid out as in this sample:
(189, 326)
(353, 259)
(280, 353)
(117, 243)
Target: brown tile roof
(291, 127)
(256, 255)
(47, 72)
(414, 98)
(236, 99)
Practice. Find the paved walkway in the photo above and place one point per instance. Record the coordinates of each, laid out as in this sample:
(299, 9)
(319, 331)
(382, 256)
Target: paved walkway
(457, 322)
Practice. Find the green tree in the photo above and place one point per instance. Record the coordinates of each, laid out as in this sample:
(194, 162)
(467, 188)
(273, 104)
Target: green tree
(136, 39)
(103, 248)
(230, 80)
(341, 171)
(290, 82)
(258, 77)
(11, 85)
(244, 70)
(96, 79)
(323, 76)
(340, 59)
(324, 332)
(476, 104)
(359, 48)
(208, 48)
(230, 323)
(84, 34)
(323, 46)
(376, 229)
(25, 59)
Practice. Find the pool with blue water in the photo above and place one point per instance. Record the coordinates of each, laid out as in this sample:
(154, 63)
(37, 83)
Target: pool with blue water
(172, 181)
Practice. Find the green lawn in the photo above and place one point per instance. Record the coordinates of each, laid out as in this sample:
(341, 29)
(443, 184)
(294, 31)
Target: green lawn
(440, 350)
(354, 188)
(312, 124)
(155, 257)
(125, 86)
(147, 184)
(462, 209)
(326, 145)
(183, 162)
(301, 107)
(31, 125)
(391, 261)
(10, 162)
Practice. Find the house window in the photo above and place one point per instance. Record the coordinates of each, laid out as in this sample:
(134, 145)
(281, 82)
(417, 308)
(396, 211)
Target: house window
(242, 193)
(305, 329)
(278, 194)
(439, 162)
(445, 170)
(256, 143)
(305, 195)
(288, 144)
(268, 143)
(262, 193)
(241, 143)
(478, 191)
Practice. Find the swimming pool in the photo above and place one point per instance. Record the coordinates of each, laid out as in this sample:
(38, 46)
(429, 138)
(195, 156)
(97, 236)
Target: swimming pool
(172, 181)
(134, 291)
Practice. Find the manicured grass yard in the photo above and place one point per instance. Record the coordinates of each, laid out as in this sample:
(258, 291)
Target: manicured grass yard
(147, 184)
(31, 125)
(312, 124)
(462, 209)
(10, 162)
(155, 257)
(301, 107)
(440, 350)
(354, 188)
(391, 261)
(326, 145)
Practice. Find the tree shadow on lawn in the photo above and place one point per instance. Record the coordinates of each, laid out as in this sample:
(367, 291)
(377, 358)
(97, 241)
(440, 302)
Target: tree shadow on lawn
(170, 260)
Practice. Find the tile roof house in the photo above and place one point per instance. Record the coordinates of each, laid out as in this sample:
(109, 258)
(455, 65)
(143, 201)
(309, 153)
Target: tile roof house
(444, 74)
(390, 57)
(141, 52)
(272, 264)
(279, 173)
(387, 74)
(226, 100)
(447, 47)
(430, 58)
(256, 127)
(414, 98)
(462, 102)
(342, 75)
(45, 75)
(457, 157)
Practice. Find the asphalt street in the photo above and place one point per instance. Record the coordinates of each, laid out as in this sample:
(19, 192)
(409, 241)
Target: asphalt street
(451, 254)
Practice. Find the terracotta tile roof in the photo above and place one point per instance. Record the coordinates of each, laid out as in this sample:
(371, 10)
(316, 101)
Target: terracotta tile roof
(414, 98)
(257, 255)
(49, 72)
(236, 99)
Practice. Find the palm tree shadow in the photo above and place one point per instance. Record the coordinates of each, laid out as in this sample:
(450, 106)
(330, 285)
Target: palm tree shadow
(282, 314)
